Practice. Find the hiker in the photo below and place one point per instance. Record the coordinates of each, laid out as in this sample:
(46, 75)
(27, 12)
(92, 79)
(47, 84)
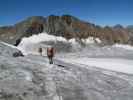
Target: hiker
(50, 54)
(40, 51)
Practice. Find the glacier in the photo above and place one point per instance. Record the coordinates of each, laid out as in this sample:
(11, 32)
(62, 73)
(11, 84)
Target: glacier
(90, 73)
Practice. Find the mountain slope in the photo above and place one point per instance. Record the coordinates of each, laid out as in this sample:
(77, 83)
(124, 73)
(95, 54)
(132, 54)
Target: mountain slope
(66, 26)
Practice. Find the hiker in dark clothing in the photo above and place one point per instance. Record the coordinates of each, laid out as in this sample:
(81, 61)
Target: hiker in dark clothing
(50, 54)
(40, 51)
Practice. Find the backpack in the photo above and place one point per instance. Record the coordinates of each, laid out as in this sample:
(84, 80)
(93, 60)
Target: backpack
(50, 51)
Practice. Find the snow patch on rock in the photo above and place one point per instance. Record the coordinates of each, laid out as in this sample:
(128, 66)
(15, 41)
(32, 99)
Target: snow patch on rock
(29, 42)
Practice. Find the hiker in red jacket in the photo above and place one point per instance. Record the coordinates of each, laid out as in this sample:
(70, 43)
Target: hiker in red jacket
(50, 54)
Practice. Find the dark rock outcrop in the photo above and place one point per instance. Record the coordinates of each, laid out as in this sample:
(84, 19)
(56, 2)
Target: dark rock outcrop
(18, 54)
(17, 42)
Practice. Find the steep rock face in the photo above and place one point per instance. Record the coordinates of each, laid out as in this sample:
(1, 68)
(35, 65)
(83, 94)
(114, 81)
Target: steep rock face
(60, 25)
(31, 78)
(66, 26)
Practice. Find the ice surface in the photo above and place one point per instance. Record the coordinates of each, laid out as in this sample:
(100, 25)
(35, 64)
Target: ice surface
(128, 47)
(32, 78)
(119, 65)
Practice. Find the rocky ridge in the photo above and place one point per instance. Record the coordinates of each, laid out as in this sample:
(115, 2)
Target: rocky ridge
(66, 26)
